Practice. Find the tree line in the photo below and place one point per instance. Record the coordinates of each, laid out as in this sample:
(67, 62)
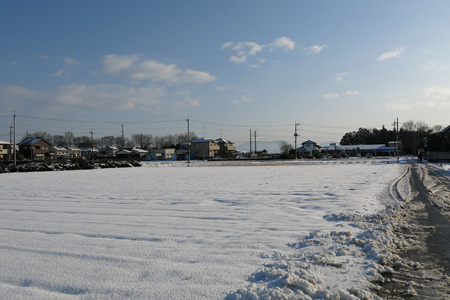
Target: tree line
(411, 135)
(137, 140)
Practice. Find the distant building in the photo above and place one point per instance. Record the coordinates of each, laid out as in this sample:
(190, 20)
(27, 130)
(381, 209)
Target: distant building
(34, 148)
(6, 151)
(204, 148)
(161, 154)
(226, 148)
(73, 152)
(374, 149)
(309, 147)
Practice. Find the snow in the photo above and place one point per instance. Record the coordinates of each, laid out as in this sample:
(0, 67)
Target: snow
(309, 229)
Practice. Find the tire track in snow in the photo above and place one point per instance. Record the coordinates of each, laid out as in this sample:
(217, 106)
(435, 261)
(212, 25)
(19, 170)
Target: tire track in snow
(87, 235)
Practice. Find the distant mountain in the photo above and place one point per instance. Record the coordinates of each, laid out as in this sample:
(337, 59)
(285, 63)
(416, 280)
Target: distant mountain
(271, 147)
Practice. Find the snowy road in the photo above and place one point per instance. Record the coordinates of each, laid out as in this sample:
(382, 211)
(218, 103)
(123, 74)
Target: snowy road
(425, 271)
(165, 231)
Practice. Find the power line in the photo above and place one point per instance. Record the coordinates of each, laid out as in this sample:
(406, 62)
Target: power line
(99, 122)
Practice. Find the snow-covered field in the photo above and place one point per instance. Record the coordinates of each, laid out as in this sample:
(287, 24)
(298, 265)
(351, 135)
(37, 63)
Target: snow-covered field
(208, 231)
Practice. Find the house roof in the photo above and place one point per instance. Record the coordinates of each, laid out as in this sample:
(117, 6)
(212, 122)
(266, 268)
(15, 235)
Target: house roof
(202, 140)
(124, 151)
(31, 141)
(3, 142)
(372, 147)
(139, 151)
(59, 148)
(221, 140)
(446, 129)
(309, 142)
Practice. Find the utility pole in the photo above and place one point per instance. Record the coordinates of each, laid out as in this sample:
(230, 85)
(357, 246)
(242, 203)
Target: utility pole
(10, 143)
(255, 143)
(396, 138)
(398, 152)
(92, 144)
(189, 142)
(123, 138)
(250, 142)
(203, 145)
(15, 155)
(296, 135)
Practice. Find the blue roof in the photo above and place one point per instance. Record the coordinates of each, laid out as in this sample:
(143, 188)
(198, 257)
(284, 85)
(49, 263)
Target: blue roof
(202, 140)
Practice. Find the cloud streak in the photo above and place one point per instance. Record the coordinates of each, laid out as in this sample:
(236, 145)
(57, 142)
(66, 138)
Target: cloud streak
(244, 50)
(437, 97)
(88, 97)
(131, 67)
(391, 54)
(316, 49)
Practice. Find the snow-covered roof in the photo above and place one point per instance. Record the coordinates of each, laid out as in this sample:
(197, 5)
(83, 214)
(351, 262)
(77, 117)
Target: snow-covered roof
(372, 147)
(139, 151)
(221, 140)
(59, 148)
(3, 142)
(124, 151)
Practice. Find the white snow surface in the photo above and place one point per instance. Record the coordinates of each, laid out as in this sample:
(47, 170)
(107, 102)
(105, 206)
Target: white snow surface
(208, 231)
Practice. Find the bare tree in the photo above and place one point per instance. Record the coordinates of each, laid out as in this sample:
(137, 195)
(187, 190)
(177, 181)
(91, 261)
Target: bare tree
(285, 148)
(437, 128)
(69, 138)
(143, 141)
(59, 141)
(107, 141)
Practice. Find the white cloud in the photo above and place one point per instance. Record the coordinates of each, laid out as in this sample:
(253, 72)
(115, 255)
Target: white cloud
(437, 97)
(431, 65)
(71, 61)
(284, 42)
(397, 106)
(58, 73)
(331, 96)
(129, 66)
(351, 93)
(114, 64)
(243, 99)
(244, 50)
(392, 54)
(85, 97)
(340, 76)
(238, 59)
(316, 49)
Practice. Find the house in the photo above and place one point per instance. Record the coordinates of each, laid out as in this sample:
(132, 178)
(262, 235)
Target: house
(437, 146)
(226, 148)
(140, 153)
(309, 147)
(109, 151)
(34, 148)
(353, 150)
(5, 150)
(58, 152)
(124, 153)
(89, 153)
(73, 152)
(161, 154)
(204, 148)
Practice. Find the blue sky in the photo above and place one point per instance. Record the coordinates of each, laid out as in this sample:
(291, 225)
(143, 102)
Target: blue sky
(230, 66)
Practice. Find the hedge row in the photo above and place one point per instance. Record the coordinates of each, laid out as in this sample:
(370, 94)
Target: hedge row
(75, 164)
